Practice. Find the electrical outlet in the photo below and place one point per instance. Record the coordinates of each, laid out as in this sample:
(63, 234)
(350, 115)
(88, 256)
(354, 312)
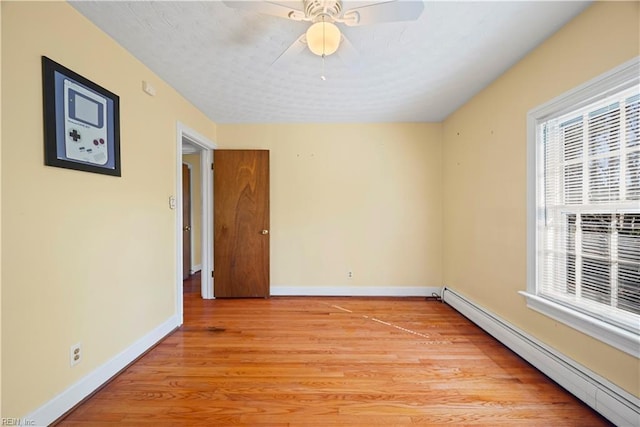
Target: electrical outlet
(75, 354)
(350, 275)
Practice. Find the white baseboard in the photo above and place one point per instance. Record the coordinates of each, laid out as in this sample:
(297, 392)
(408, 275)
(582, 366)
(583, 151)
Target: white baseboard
(353, 291)
(195, 268)
(59, 405)
(615, 404)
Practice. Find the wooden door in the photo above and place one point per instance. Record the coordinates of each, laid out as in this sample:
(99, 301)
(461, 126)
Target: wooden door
(186, 221)
(241, 223)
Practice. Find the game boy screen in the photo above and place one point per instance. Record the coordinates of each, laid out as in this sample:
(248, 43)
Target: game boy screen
(86, 110)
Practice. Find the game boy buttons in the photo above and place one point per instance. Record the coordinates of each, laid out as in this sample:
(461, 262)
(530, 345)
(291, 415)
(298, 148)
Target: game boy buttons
(95, 142)
(101, 141)
(75, 135)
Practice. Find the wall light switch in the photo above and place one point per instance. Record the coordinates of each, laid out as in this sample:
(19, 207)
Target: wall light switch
(172, 202)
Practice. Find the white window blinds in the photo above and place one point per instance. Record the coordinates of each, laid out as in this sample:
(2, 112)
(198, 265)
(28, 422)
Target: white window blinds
(588, 208)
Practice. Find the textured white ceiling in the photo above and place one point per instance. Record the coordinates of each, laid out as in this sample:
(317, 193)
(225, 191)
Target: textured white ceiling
(220, 58)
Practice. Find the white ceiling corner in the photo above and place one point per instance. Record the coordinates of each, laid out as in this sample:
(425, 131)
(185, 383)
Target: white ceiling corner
(220, 58)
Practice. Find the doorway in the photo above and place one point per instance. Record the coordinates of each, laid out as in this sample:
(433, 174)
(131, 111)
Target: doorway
(185, 138)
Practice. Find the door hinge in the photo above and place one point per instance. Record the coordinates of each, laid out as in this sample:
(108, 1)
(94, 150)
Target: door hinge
(211, 273)
(211, 166)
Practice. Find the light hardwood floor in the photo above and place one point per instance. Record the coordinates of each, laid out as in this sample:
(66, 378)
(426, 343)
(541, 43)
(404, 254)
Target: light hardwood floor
(329, 362)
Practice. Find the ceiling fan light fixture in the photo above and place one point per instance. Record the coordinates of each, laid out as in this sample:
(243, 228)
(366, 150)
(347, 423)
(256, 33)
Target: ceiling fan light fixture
(323, 38)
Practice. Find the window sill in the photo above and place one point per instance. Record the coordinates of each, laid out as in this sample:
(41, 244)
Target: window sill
(617, 337)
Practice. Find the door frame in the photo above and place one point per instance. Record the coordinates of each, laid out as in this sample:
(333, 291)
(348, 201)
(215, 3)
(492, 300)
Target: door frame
(206, 146)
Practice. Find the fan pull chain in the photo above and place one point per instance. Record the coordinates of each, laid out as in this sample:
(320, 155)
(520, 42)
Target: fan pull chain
(322, 76)
(324, 39)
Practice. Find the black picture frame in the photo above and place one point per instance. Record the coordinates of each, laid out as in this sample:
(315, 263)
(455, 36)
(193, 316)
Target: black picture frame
(81, 122)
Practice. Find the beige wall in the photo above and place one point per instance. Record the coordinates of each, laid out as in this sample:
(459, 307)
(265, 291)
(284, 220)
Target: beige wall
(85, 257)
(359, 197)
(485, 178)
(196, 207)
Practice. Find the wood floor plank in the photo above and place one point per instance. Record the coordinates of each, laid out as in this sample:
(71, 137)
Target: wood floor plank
(329, 362)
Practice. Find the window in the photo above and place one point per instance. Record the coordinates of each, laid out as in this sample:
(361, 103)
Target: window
(584, 205)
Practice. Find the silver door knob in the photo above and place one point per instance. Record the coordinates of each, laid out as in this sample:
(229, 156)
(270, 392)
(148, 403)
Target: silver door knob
(187, 228)
(265, 231)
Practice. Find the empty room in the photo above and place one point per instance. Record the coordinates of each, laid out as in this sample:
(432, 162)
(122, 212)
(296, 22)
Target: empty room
(320, 213)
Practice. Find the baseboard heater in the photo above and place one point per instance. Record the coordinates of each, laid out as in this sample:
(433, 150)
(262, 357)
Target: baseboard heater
(615, 404)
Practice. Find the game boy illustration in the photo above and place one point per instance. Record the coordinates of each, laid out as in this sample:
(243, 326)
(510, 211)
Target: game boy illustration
(85, 124)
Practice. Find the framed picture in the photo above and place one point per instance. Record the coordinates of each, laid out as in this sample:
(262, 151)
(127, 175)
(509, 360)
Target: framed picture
(81, 122)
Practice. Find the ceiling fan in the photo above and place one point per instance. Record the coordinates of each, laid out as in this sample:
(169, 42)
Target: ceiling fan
(323, 37)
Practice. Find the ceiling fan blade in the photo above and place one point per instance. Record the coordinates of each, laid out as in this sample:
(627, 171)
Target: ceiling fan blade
(348, 54)
(292, 51)
(389, 11)
(269, 8)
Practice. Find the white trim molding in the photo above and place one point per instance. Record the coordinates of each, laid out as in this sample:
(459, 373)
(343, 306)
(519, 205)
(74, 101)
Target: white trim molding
(65, 401)
(206, 148)
(614, 336)
(352, 291)
(615, 404)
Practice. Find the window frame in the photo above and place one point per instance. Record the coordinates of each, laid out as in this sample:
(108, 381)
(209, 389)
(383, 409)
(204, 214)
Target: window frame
(625, 75)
